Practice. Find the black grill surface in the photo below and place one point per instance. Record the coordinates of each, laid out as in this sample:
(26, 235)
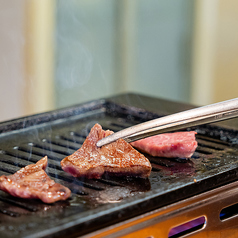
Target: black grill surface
(98, 203)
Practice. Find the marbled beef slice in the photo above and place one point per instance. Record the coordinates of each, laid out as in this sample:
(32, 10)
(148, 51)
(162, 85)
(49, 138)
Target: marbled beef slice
(33, 182)
(170, 145)
(118, 158)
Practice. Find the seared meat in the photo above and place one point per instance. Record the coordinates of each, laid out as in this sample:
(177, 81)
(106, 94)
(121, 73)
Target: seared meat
(178, 144)
(33, 182)
(118, 158)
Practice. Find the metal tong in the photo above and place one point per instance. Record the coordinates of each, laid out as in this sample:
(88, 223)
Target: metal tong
(194, 117)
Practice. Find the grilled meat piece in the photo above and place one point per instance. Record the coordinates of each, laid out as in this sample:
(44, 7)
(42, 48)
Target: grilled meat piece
(170, 145)
(118, 158)
(33, 182)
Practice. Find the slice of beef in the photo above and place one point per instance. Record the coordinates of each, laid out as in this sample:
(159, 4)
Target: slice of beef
(118, 158)
(170, 145)
(33, 182)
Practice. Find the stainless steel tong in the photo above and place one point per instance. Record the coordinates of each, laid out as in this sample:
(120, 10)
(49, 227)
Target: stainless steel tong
(202, 115)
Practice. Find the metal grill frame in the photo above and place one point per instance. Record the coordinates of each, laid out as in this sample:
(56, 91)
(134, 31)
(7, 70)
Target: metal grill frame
(137, 108)
(159, 222)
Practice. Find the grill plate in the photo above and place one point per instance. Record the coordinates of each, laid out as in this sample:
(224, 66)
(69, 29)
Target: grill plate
(98, 203)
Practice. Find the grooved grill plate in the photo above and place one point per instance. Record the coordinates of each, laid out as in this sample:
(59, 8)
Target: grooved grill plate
(97, 203)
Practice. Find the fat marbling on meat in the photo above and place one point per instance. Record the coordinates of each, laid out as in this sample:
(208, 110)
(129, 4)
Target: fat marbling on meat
(170, 145)
(118, 158)
(33, 182)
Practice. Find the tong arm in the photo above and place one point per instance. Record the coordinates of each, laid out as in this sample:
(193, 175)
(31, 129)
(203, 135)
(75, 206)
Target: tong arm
(202, 115)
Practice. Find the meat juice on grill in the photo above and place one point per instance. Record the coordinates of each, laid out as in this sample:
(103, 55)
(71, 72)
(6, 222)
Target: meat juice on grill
(170, 145)
(118, 158)
(33, 182)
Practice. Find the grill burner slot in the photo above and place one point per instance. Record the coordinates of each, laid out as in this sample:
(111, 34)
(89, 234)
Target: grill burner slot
(19, 204)
(39, 152)
(8, 169)
(11, 160)
(50, 148)
(120, 126)
(209, 146)
(216, 141)
(187, 228)
(229, 212)
(78, 135)
(204, 150)
(8, 212)
(77, 182)
(109, 182)
(154, 168)
(71, 140)
(63, 144)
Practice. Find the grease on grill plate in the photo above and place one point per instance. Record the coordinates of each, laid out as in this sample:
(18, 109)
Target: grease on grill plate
(58, 142)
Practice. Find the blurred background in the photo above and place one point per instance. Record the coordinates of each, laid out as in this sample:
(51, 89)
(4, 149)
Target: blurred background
(56, 53)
